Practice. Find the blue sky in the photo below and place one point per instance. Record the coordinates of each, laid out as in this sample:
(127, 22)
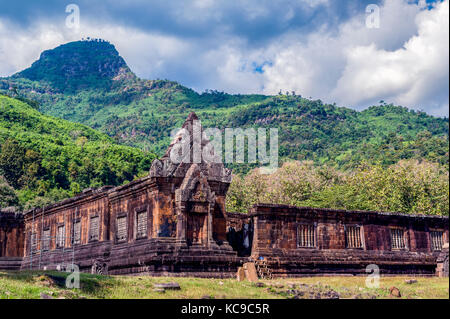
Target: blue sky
(318, 48)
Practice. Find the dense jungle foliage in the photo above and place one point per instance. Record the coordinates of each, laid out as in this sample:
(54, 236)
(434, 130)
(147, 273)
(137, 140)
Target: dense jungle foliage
(43, 159)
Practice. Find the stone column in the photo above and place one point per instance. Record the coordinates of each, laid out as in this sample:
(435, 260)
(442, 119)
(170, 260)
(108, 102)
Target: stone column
(211, 243)
(181, 222)
(209, 227)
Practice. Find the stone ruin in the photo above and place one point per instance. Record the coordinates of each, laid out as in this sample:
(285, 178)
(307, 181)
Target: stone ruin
(174, 222)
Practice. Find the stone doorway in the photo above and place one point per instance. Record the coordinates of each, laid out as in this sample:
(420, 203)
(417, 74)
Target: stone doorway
(196, 228)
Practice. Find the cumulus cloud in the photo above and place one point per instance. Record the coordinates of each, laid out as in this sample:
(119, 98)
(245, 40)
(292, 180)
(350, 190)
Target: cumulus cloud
(415, 75)
(20, 47)
(321, 49)
(404, 62)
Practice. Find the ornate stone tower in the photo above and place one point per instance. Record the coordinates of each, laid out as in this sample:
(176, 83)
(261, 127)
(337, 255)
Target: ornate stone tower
(199, 181)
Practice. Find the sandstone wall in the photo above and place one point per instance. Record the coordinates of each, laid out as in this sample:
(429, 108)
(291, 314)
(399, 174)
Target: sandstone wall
(11, 234)
(276, 238)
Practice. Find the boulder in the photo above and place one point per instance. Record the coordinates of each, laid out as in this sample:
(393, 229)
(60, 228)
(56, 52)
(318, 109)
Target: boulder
(240, 274)
(395, 292)
(250, 272)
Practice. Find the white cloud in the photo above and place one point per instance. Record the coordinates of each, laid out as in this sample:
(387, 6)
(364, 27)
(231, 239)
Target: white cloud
(404, 62)
(415, 75)
(19, 48)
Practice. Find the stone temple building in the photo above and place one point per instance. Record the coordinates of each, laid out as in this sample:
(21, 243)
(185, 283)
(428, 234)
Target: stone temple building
(174, 222)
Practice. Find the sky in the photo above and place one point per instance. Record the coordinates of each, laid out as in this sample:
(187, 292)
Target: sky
(354, 53)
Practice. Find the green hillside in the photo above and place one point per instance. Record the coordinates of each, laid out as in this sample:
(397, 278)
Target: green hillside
(45, 158)
(88, 82)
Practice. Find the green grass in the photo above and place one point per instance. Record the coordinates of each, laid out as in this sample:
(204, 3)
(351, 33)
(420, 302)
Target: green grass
(30, 285)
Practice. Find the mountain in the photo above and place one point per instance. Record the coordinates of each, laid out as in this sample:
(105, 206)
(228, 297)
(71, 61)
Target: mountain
(88, 82)
(46, 158)
(77, 66)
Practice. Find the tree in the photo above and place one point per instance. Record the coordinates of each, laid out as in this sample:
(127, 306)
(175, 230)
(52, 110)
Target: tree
(408, 186)
(11, 162)
(8, 195)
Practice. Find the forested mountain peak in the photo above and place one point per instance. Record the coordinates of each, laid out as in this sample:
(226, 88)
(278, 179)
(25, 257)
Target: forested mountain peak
(78, 65)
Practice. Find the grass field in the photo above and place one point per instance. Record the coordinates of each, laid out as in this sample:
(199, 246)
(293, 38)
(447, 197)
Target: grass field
(31, 285)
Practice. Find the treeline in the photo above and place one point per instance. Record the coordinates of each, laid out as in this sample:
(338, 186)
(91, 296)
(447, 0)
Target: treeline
(408, 186)
(324, 133)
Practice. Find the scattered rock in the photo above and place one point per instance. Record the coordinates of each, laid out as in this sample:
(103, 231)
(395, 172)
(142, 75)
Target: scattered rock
(250, 272)
(311, 292)
(221, 283)
(45, 296)
(395, 292)
(331, 294)
(291, 285)
(304, 286)
(278, 285)
(46, 281)
(162, 290)
(169, 285)
(410, 281)
(240, 274)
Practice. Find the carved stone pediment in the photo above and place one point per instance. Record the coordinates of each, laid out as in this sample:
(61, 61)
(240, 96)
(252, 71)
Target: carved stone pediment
(195, 187)
(212, 170)
(165, 168)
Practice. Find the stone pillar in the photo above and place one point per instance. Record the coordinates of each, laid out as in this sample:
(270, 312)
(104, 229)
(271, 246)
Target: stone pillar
(255, 243)
(181, 222)
(211, 243)
(209, 227)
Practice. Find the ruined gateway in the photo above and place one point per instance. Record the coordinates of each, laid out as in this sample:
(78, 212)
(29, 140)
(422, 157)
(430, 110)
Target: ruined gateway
(174, 222)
